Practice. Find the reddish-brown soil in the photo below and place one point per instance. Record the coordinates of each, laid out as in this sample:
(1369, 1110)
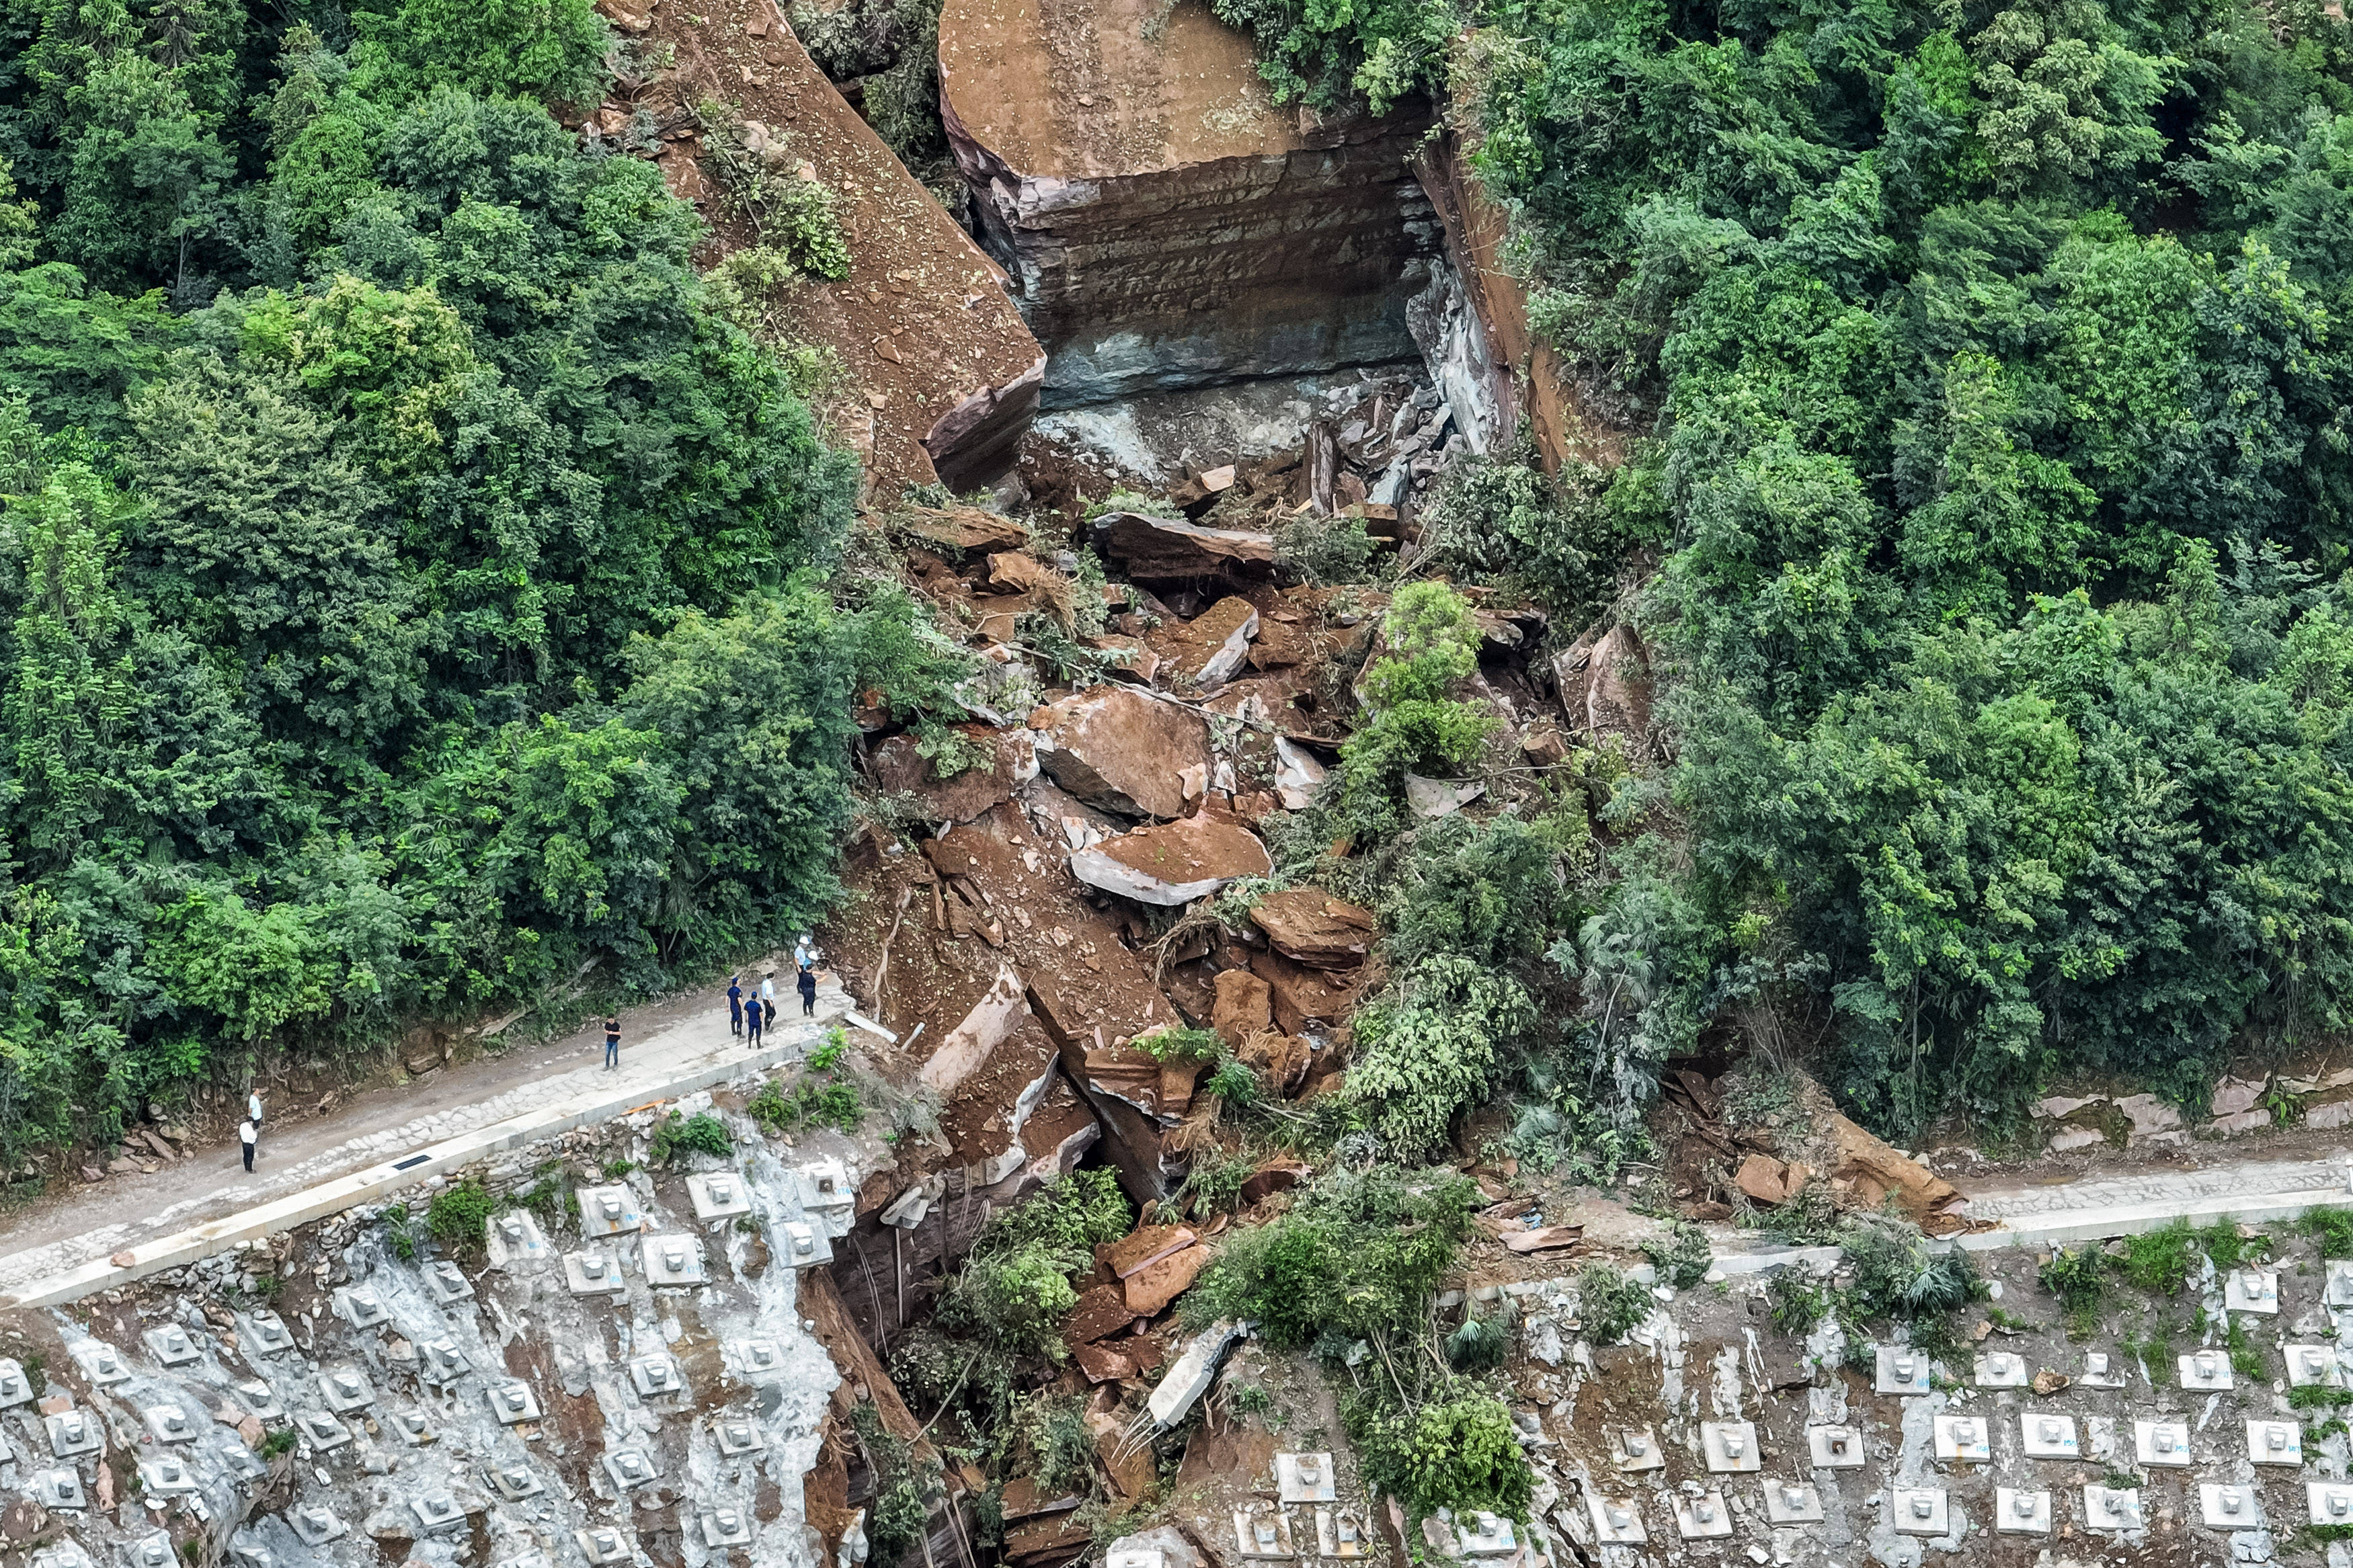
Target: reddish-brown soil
(923, 323)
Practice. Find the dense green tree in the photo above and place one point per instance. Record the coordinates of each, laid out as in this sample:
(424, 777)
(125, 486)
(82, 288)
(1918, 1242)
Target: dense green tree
(411, 590)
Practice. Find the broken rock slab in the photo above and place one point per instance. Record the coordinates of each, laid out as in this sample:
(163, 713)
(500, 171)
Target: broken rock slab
(963, 529)
(1433, 798)
(1175, 862)
(1297, 773)
(1312, 927)
(1205, 652)
(1605, 684)
(1119, 749)
(1009, 760)
(2149, 1114)
(1170, 550)
(2233, 1095)
(1301, 996)
(1150, 1289)
(1763, 1178)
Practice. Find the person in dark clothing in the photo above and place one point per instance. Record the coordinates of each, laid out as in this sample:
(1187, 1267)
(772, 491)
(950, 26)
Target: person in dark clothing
(808, 984)
(734, 1006)
(751, 1020)
(612, 1040)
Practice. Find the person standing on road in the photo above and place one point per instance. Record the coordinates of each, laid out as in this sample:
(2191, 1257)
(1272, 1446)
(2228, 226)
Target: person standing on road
(612, 1041)
(768, 999)
(734, 1005)
(808, 984)
(752, 1019)
(253, 1109)
(246, 1133)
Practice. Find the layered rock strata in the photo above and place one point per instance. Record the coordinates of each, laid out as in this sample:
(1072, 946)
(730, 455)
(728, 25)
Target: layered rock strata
(1164, 223)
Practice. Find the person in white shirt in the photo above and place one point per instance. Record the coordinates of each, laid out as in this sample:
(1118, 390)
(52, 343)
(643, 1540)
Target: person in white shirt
(246, 1134)
(253, 1109)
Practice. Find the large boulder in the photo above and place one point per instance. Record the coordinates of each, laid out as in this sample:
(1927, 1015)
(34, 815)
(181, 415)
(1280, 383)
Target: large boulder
(1009, 761)
(1119, 749)
(1204, 652)
(1170, 550)
(1605, 684)
(1175, 862)
(1316, 929)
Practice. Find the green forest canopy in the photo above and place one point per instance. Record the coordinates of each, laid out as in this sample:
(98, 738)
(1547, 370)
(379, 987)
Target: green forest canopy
(1992, 360)
(411, 590)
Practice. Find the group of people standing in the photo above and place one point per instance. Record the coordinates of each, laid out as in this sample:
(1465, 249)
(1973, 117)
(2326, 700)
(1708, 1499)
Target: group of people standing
(750, 1012)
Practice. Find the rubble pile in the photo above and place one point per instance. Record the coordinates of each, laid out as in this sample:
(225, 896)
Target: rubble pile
(1815, 1149)
(1134, 734)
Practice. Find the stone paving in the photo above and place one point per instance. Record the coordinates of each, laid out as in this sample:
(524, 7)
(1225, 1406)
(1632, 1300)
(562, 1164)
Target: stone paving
(651, 1063)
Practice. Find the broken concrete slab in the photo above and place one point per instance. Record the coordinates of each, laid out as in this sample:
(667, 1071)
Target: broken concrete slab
(1173, 863)
(1190, 1376)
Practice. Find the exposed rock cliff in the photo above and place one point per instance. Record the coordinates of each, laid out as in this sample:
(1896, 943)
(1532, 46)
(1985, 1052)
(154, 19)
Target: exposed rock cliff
(1164, 223)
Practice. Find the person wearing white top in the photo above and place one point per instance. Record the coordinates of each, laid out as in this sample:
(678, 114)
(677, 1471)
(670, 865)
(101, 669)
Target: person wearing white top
(253, 1109)
(246, 1134)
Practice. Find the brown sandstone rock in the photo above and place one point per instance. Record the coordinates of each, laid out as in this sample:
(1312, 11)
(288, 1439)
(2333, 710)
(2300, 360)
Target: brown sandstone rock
(900, 769)
(1315, 928)
(1100, 1312)
(1605, 684)
(1134, 1253)
(1168, 222)
(1174, 862)
(1116, 749)
(1245, 1007)
(1761, 1177)
(1204, 652)
(965, 379)
(962, 528)
(1302, 995)
(1154, 1286)
(1170, 550)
